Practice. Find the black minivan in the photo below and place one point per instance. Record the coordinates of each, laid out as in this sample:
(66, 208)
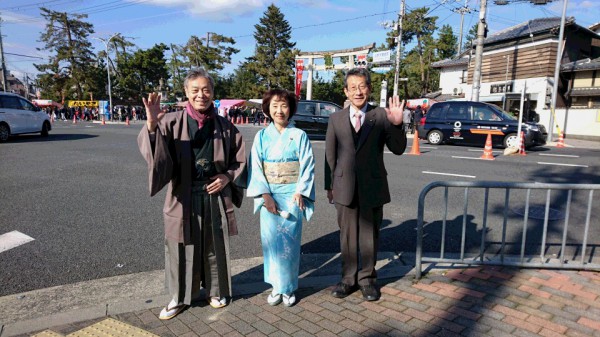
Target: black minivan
(470, 122)
(312, 116)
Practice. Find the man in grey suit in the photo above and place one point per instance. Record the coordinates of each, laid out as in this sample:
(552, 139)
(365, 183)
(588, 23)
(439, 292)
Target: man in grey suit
(356, 179)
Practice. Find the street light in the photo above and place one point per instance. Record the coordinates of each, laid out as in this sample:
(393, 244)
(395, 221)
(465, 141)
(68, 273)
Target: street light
(106, 42)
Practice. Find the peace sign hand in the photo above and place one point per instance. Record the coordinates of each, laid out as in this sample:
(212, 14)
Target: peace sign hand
(153, 111)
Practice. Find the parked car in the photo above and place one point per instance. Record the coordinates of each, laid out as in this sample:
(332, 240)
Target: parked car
(312, 116)
(470, 122)
(18, 116)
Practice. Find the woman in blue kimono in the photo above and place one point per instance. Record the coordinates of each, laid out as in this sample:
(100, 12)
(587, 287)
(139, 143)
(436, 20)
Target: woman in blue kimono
(281, 181)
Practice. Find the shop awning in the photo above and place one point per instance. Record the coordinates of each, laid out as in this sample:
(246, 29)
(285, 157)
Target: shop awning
(226, 103)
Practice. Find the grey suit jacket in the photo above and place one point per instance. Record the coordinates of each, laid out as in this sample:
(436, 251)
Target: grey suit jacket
(169, 158)
(348, 166)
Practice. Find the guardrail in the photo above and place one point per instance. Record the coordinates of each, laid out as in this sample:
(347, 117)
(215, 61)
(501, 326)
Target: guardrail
(483, 257)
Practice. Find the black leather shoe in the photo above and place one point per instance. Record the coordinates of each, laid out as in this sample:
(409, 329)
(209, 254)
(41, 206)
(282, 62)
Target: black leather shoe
(370, 292)
(342, 290)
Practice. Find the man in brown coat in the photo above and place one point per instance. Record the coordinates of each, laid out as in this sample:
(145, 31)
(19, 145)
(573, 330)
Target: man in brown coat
(356, 179)
(201, 157)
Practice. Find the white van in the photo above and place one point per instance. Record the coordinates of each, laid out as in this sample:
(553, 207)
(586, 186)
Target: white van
(18, 116)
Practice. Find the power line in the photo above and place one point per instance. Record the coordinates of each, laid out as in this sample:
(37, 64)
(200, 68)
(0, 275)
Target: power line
(326, 23)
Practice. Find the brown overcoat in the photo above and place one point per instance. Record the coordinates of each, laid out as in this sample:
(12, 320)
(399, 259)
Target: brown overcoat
(169, 156)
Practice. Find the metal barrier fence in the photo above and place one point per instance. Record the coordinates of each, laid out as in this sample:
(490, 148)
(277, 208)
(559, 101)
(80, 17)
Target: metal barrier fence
(501, 258)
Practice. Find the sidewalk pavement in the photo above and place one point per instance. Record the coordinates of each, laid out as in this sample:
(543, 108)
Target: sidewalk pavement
(447, 301)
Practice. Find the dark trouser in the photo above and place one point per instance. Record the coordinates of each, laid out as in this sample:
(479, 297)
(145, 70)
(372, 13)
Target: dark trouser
(205, 259)
(359, 234)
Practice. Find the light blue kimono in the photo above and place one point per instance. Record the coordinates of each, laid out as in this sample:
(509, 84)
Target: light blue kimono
(281, 238)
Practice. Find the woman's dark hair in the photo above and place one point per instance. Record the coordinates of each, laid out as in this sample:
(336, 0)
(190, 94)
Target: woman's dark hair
(281, 94)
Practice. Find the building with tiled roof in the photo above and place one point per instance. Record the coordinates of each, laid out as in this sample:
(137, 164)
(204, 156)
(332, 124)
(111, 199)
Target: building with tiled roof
(521, 56)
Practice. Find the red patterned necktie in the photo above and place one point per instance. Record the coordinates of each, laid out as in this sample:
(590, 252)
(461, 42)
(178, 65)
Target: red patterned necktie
(357, 122)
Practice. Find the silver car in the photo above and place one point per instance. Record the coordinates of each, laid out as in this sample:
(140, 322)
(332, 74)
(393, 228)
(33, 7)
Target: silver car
(19, 116)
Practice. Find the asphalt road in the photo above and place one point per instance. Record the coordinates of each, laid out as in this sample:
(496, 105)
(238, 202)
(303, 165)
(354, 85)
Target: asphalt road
(82, 195)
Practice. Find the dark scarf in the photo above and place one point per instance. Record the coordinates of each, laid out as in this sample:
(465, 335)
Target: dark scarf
(200, 117)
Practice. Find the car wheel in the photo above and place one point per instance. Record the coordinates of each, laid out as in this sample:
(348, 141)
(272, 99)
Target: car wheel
(435, 137)
(4, 132)
(511, 140)
(45, 129)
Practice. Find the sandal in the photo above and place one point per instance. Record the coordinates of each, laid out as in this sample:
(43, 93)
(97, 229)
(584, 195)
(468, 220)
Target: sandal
(289, 300)
(217, 302)
(274, 299)
(168, 313)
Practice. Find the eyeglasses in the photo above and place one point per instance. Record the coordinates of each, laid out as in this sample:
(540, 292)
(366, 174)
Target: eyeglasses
(360, 88)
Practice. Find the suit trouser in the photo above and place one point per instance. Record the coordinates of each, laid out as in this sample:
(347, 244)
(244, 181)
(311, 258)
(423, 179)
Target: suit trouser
(359, 235)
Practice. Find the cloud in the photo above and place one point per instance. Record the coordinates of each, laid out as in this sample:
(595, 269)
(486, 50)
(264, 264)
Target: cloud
(215, 10)
(588, 4)
(226, 10)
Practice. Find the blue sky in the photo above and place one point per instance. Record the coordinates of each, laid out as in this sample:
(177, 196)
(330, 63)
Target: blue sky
(317, 24)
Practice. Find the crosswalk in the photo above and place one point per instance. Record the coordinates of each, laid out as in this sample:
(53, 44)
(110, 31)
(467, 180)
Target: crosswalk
(13, 239)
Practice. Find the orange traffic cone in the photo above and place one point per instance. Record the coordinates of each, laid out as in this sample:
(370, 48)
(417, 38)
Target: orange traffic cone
(74, 119)
(561, 140)
(127, 120)
(103, 121)
(414, 150)
(487, 151)
(522, 150)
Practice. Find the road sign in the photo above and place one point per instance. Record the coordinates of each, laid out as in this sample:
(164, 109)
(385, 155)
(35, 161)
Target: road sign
(381, 70)
(381, 56)
(217, 103)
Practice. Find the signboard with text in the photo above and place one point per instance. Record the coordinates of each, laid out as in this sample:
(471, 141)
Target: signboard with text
(381, 56)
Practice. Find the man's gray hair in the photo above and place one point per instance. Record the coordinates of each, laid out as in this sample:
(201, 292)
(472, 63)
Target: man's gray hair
(194, 73)
(357, 72)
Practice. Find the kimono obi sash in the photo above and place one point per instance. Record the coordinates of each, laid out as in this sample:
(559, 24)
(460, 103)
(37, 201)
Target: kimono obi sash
(282, 172)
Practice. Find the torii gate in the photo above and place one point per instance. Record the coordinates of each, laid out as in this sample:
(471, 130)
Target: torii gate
(360, 52)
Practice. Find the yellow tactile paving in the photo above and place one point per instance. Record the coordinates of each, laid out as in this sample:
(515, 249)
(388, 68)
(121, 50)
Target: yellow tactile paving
(109, 328)
(47, 333)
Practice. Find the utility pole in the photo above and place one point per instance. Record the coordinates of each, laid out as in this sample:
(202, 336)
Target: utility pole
(559, 52)
(479, 52)
(398, 47)
(4, 84)
(207, 39)
(462, 11)
(106, 42)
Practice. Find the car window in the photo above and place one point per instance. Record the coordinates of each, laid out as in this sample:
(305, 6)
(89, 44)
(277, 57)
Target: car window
(484, 113)
(327, 109)
(503, 114)
(26, 105)
(307, 108)
(10, 102)
(458, 111)
(435, 112)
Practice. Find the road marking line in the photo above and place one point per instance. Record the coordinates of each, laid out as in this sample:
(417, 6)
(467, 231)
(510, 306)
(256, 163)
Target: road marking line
(428, 147)
(476, 150)
(449, 174)
(559, 155)
(13, 239)
(459, 157)
(559, 164)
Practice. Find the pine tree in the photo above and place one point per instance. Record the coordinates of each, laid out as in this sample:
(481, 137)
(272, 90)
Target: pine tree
(273, 59)
(446, 43)
(67, 37)
(420, 26)
(470, 38)
(141, 73)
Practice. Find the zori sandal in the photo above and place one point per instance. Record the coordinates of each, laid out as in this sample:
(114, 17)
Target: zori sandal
(217, 302)
(168, 313)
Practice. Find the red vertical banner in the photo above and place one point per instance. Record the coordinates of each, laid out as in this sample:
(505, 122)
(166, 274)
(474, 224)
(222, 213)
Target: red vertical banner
(299, 70)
